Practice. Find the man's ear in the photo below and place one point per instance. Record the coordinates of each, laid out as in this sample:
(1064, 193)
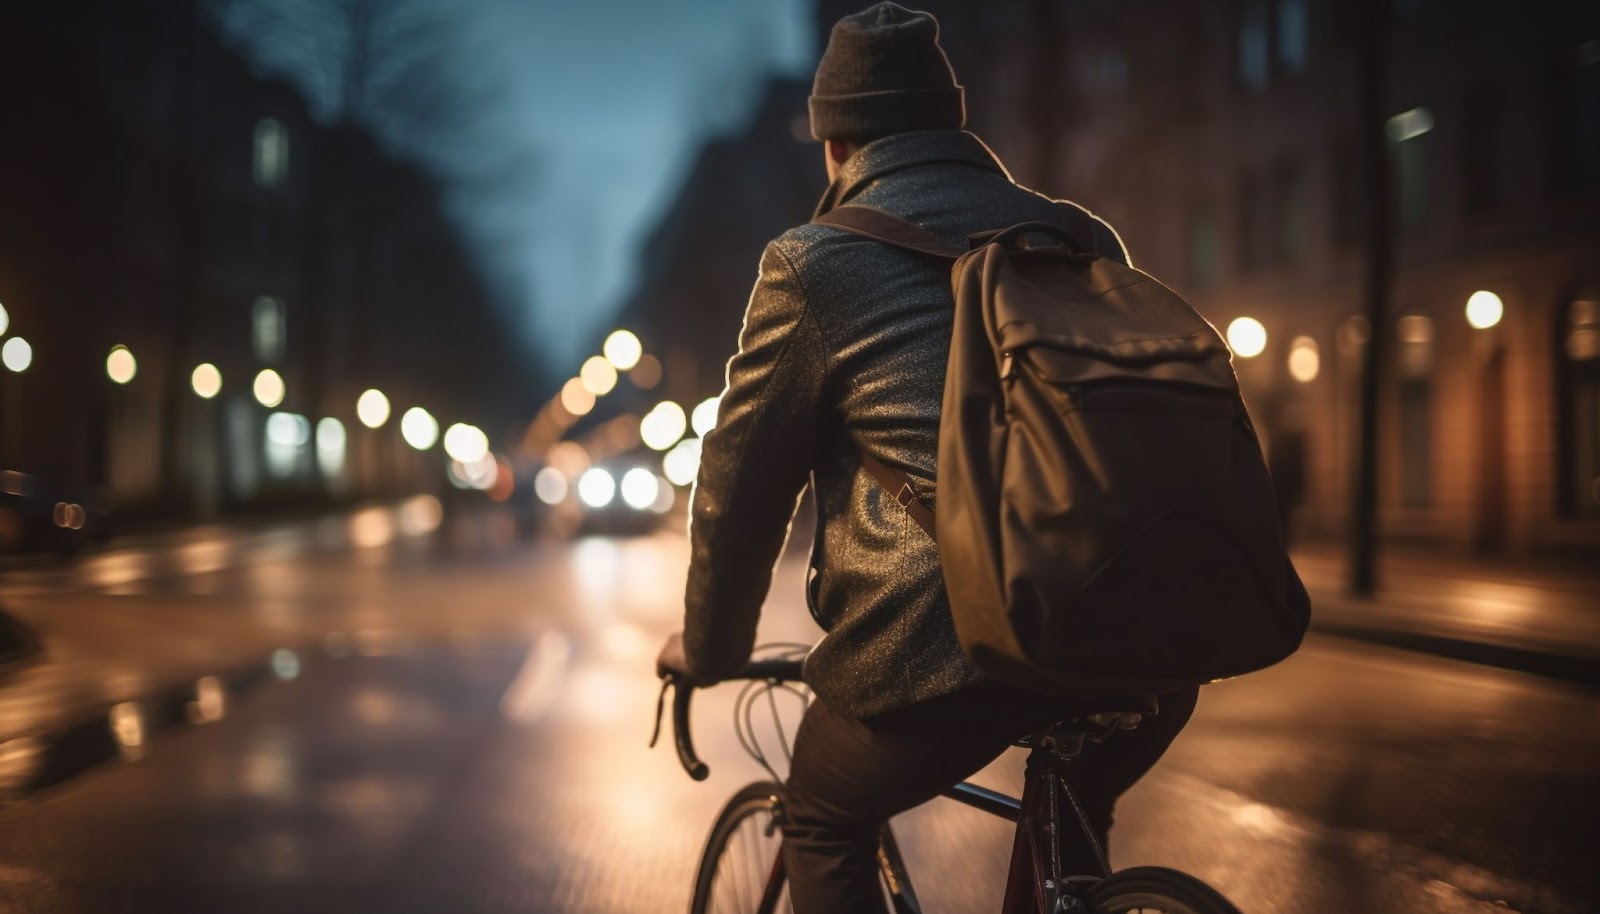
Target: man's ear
(838, 151)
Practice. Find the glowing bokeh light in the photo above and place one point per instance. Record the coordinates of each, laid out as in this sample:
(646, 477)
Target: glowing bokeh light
(623, 350)
(16, 354)
(647, 374)
(598, 376)
(5, 320)
(550, 486)
(704, 417)
(596, 487)
(1484, 309)
(682, 463)
(268, 388)
(576, 399)
(1247, 337)
(663, 426)
(466, 443)
(640, 488)
(121, 366)
(290, 430)
(1305, 359)
(206, 379)
(419, 428)
(372, 408)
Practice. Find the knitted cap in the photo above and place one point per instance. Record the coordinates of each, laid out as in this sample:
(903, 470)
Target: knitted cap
(884, 72)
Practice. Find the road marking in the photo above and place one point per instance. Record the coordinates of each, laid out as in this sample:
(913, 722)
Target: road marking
(533, 691)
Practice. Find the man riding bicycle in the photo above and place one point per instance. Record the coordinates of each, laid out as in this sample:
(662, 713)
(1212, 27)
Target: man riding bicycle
(841, 359)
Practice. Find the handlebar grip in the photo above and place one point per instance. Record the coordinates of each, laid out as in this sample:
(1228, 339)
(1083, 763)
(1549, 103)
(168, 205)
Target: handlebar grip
(680, 732)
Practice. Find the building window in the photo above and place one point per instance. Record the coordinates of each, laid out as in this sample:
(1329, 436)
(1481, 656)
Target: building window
(1577, 141)
(1346, 208)
(1286, 235)
(1483, 152)
(1578, 379)
(1414, 357)
(1293, 36)
(1204, 246)
(1248, 224)
(1254, 61)
(268, 338)
(271, 152)
(1407, 134)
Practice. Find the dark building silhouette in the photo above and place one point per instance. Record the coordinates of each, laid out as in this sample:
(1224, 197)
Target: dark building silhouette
(699, 264)
(159, 195)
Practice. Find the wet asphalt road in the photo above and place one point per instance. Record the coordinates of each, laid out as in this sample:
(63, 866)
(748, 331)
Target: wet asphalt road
(463, 728)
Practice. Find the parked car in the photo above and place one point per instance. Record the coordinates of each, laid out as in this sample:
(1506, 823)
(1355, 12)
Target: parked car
(39, 516)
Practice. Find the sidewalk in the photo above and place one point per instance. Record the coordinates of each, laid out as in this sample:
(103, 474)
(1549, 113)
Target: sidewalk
(1531, 615)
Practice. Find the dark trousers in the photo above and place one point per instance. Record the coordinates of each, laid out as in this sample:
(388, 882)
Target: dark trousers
(850, 776)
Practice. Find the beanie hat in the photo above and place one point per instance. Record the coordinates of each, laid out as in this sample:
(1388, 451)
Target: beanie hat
(884, 72)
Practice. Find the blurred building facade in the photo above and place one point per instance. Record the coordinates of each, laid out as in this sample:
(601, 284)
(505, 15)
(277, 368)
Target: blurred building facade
(1219, 138)
(168, 208)
(698, 265)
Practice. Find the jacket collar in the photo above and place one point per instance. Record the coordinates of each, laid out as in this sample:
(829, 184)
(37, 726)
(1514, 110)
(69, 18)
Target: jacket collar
(907, 150)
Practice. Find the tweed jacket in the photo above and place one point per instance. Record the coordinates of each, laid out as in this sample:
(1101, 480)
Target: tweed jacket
(842, 352)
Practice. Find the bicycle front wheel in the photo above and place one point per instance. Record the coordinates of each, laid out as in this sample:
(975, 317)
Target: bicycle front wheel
(1156, 890)
(741, 871)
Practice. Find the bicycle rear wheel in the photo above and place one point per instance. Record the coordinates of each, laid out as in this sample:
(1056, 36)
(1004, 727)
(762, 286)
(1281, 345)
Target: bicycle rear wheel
(1155, 890)
(740, 870)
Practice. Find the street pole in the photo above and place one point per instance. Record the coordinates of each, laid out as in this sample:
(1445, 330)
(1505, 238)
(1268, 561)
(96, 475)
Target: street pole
(1374, 156)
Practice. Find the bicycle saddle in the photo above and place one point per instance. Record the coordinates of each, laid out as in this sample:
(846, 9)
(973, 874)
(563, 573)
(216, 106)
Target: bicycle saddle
(1096, 721)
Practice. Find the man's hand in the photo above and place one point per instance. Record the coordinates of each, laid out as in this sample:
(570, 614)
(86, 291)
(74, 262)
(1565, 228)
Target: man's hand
(671, 661)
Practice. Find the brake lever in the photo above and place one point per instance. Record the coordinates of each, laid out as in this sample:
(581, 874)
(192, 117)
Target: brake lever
(661, 707)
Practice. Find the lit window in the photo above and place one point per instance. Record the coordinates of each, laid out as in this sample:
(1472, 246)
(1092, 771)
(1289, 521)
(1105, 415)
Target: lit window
(1293, 39)
(271, 152)
(1254, 62)
(267, 337)
(1415, 358)
(1578, 396)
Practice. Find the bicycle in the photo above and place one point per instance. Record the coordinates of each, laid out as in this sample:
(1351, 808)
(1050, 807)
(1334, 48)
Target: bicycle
(741, 870)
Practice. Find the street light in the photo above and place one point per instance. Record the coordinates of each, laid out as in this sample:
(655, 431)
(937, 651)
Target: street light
(268, 388)
(682, 463)
(598, 376)
(372, 408)
(419, 428)
(1247, 337)
(206, 380)
(1484, 309)
(16, 354)
(704, 417)
(663, 426)
(121, 366)
(1305, 359)
(576, 399)
(623, 350)
(5, 320)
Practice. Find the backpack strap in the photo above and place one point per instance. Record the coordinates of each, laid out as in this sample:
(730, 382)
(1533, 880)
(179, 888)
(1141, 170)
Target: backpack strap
(898, 485)
(874, 223)
(888, 228)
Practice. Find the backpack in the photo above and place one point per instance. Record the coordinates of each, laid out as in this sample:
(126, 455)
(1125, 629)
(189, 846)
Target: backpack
(1104, 517)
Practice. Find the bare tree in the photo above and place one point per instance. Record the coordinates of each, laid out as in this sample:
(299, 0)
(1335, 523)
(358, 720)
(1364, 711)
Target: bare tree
(392, 69)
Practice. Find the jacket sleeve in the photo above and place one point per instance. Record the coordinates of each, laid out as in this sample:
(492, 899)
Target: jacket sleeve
(753, 468)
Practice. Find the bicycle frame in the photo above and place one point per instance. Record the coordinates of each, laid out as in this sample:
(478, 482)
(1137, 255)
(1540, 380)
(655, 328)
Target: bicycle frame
(1034, 881)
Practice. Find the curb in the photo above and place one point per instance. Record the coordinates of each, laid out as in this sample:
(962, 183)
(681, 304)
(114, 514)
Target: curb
(1580, 671)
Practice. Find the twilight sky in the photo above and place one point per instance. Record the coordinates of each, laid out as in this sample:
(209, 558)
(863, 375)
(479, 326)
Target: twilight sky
(599, 105)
